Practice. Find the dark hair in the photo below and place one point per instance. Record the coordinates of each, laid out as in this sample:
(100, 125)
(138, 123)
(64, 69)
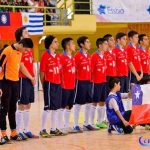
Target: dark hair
(26, 42)
(107, 36)
(120, 35)
(132, 33)
(65, 41)
(141, 37)
(112, 82)
(18, 33)
(144, 80)
(81, 40)
(48, 41)
(100, 41)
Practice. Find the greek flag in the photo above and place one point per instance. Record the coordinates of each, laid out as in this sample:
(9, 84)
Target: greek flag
(33, 22)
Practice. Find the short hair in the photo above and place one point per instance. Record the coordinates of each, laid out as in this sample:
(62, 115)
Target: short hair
(132, 33)
(120, 35)
(48, 41)
(107, 36)
(112, 82)
(18, 33)
(100, 41)
(65, 41)
(141, 37)
(81, 40)
(26, 42)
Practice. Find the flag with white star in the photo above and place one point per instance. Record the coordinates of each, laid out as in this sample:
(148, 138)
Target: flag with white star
(140, 104)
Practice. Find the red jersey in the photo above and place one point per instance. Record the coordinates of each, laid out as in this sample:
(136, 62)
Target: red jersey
(110, 63)
(144, 56)
(68, 72)
(27, 60)
(83, 66)
(51, 67)
(98, 68)
(121, 62)
(134, 57)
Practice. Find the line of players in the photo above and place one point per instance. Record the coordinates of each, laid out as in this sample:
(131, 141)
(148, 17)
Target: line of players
(68, 81)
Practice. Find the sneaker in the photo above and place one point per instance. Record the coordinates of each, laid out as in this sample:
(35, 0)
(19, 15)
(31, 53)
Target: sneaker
(88, 128)
(17, 137)
(30, 135)
(102, 125)
(24, 137)
(5, 140)
(44, 134)
(70, 130)
(117, 129)
(147, 127)
(110, 129)
(95, 127)
(57, 133)
(64, 131)
(77, 129)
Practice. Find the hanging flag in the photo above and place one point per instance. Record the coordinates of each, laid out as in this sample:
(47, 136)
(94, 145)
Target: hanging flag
(33, 22)
(9, 22)
(140, 104)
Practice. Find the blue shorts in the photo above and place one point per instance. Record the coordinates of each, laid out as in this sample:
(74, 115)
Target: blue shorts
(52, 96)
(99, 93)
(67, 98)
(83, 92)
(124, 82)
(26, 92)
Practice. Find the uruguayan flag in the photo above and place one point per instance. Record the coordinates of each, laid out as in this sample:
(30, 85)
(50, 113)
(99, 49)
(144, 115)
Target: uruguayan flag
(33, 22)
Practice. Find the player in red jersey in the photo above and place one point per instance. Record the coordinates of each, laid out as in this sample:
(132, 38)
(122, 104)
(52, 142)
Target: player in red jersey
(50, 75)
(99, 89)
(134, 61)
(110, 57)
(68, 80)
(27, 82)
(122, 61)
(83, 83)
(144, 54)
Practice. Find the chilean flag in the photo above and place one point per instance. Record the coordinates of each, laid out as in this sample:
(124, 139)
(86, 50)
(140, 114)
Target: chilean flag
(9, 22)
(140, 104)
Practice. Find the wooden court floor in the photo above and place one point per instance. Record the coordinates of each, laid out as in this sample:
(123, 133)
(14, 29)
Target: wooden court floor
(94, 140)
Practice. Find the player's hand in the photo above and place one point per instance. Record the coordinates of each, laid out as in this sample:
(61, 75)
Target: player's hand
(33, 81)
(138, 78)
(141, 75)
(126, 123)
(1, 93)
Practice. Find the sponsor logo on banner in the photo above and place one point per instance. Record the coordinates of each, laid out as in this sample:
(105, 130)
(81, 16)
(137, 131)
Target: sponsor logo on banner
(148, 9)
(145, 142)
(103, 9)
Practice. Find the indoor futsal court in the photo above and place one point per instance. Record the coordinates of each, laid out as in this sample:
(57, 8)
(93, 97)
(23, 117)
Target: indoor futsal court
(93, 140)
(74, 74)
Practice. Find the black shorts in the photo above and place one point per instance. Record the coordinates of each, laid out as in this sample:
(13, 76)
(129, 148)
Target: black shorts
(124, 82)
(99, 93)
(132, 77)
(52, 96)
(26, 91)
(83, 92)
(67, 98)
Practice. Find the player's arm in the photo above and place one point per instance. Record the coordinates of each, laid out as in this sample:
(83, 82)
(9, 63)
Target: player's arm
(133, 70)
(3, 58)
(42, 78)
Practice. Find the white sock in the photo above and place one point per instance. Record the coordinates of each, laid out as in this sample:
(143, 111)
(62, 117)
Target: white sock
(26, 118)
(87, 114)
(100, 113)
(59, 119)
(53, 120)
(44, 119)
(66, 117)
(92, 114)
(19, 118)
(77, 108)
(105, 115)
